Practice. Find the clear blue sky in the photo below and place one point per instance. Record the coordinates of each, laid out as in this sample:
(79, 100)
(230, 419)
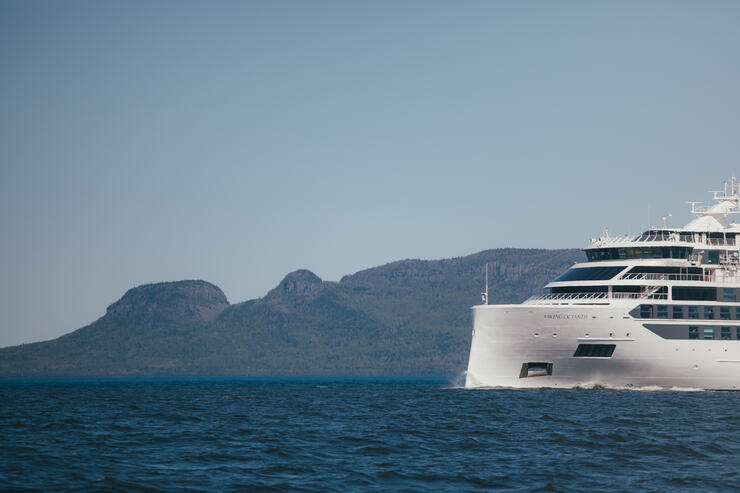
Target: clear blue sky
(238, 141)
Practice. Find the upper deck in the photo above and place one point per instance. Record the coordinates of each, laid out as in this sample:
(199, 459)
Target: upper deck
(710, 230)
(693, 262)
(669, 238)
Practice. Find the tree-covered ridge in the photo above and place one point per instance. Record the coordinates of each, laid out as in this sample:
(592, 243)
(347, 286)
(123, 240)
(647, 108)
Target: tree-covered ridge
(408, 317)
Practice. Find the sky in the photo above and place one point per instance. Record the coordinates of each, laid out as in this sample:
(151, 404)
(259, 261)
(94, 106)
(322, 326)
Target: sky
(147, 141)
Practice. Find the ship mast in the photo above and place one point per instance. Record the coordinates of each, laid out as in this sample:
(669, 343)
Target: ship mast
(484, 294)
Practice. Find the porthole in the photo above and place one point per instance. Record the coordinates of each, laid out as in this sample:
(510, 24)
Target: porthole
(554, 334)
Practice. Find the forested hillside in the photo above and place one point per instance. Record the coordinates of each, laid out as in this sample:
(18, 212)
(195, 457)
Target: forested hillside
(409, 317)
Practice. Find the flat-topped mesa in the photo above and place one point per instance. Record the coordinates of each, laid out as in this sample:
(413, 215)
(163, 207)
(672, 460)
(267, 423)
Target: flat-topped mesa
(170, 303)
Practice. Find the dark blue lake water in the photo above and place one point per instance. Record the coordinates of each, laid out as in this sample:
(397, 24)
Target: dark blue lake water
(399, 434)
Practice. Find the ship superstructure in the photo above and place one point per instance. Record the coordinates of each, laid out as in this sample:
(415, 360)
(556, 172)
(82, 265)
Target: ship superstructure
(659, 309)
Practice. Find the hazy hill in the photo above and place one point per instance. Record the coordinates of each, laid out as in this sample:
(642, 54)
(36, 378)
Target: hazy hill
(408, 317)
(149, 330)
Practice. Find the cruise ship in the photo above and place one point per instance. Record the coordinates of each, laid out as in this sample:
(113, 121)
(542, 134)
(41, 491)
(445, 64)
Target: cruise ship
(658, 310)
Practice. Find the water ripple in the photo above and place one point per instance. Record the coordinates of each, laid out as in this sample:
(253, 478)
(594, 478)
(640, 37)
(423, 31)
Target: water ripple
(332, 434)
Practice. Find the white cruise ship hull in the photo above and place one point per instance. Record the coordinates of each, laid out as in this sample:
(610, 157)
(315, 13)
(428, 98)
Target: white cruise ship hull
(513, 345)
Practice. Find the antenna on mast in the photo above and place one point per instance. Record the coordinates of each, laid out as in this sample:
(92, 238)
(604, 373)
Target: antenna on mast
(665, 220)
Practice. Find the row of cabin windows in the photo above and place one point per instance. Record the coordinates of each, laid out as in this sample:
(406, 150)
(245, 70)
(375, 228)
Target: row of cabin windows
(691, 311)
(708, 332)
(702, 256)
(598, 254)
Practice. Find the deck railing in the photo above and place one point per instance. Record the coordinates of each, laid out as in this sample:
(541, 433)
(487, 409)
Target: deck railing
(664, 277)
(726, 275)
(694, 238)
(556, 298)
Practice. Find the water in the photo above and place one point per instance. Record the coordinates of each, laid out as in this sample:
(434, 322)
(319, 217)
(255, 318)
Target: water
(362, 434)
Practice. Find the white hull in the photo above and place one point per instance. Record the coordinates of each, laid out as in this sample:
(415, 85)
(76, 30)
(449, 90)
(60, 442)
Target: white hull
(507, 336)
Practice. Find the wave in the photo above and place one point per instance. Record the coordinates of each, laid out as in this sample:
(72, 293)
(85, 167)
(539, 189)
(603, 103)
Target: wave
(592, 385)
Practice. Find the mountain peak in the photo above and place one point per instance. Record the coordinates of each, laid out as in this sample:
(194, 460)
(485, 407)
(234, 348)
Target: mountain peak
(302, 275)
(301, 282)
(165, 301)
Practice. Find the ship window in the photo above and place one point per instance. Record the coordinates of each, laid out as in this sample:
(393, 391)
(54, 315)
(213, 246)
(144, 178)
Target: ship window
(594, 351)
(708, 312)
(626, 289)
(646, 311)
(693, 332)
(712, 256)
(693, 312)
(724, 312)
(737, 333)
(650, 269)
(695, 293)
(589, 274)
(725, 333)
(728, 294)
(579, 289)
(662, 311)
(677, 311)
(737, 312)
(708, 332)
(680, 252)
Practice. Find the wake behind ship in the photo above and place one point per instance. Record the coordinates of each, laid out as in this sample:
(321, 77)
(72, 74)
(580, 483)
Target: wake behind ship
(661, 309)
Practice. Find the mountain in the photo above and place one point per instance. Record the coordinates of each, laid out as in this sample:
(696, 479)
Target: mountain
(149, 330)
(408, 317)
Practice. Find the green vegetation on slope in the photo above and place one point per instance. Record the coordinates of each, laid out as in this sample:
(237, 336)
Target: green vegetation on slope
(407, 317)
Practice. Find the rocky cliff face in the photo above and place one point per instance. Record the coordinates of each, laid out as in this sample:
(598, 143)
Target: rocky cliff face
(299, 287)
(189, 302)
(299, 283)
